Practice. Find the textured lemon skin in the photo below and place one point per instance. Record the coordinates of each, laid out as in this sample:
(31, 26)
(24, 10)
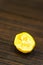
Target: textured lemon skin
(24, 42)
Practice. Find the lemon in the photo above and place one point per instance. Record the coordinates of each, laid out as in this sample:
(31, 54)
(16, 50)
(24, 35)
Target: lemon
(24, 42)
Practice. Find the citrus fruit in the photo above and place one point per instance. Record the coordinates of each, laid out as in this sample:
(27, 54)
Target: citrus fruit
(24, 42)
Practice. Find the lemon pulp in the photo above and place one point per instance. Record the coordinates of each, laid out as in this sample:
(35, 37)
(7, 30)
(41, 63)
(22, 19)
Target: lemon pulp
(24, 42)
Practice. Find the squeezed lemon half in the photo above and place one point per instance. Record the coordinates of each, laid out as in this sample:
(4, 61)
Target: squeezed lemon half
(24, 42)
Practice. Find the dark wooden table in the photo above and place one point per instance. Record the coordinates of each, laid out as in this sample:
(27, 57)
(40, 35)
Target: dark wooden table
(17, 16)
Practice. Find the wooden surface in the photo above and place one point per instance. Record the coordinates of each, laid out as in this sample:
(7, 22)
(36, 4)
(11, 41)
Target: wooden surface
(17, 16)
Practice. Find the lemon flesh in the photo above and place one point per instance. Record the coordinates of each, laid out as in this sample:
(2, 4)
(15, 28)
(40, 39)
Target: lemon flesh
(24, 42)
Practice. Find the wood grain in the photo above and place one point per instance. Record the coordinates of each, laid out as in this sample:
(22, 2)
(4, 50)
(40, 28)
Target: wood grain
(17, 16)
